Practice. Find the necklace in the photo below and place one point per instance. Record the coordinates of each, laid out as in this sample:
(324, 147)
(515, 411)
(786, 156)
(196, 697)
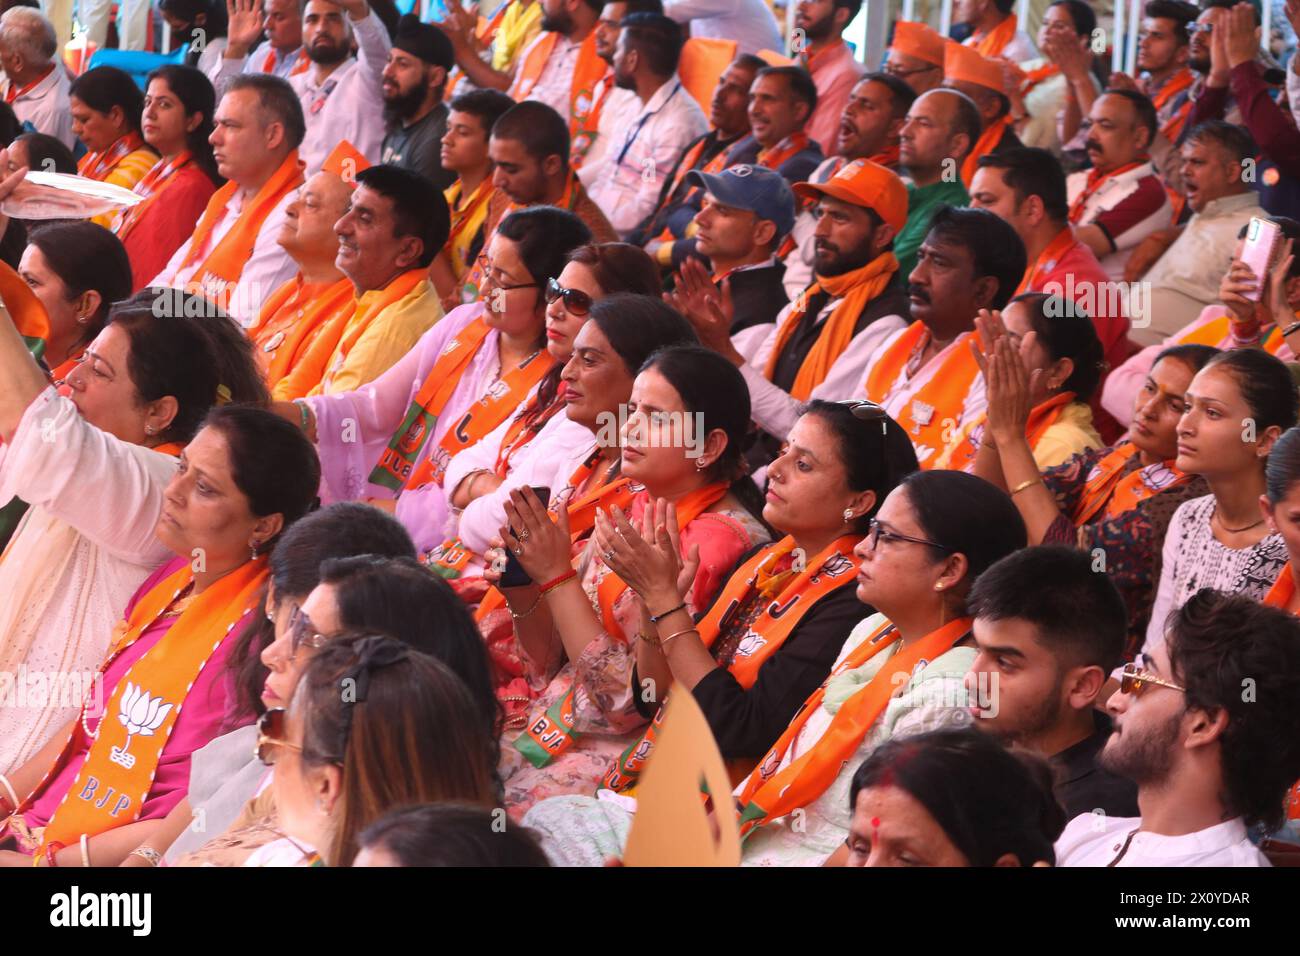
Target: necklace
(1235, 530)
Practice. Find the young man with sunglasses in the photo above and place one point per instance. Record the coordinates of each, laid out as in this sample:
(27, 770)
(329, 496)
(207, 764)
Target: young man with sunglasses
(1049, 630)
(1208, 727)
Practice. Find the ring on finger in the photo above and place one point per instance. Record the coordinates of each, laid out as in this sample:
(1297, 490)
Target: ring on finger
(523, 535)
(609, 555)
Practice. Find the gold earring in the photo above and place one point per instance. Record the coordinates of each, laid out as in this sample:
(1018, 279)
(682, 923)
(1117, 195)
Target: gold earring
(848, 515)
(938, 586)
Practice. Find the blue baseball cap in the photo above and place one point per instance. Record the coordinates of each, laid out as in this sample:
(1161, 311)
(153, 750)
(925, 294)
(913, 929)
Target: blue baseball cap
(762, 191)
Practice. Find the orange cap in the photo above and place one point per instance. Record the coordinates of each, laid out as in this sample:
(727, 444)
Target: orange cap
(918, 40)
(964, 63)
(864, 183)
(345, 162)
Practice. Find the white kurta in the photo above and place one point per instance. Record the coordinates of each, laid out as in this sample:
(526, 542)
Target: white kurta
(76, 558)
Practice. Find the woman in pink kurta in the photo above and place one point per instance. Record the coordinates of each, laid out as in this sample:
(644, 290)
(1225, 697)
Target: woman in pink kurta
(106, 781)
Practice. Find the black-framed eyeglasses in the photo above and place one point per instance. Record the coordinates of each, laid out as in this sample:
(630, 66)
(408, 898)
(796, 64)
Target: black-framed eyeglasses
(493, 275)
(271, 734)
(576, 302)
(866, 410)
(876, 532)
(302, 632)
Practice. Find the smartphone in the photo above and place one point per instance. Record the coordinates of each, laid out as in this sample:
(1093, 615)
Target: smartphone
(514, 576)
(1262, 237)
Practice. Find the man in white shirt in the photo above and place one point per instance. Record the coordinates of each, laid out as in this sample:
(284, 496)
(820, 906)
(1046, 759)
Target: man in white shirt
(342, 97)
(280, 54)
(647, 142)
(750, 23)
(1208, 727)
(1186, 278)
(35, 83)
(259, 126)
(559, 67)
(821, 343)
(610, 101)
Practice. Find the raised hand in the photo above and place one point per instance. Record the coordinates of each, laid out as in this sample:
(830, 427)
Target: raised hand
(541, 544)
(1240, 35)
(706, 307)
(1239, 281)
(1008, 383)
(246, 22)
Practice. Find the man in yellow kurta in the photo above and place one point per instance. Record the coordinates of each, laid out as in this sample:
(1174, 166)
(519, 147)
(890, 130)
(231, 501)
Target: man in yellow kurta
(396, 224)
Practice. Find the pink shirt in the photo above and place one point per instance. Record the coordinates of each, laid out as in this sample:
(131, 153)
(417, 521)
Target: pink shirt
(202, 718)
(1079, 277)
(834, 72)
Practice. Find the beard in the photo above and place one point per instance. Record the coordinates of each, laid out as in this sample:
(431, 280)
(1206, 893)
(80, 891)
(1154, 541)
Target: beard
(624, 81)
(328, 55)
(1142, 757)
(821, 29)
(1199, 65)
(403, 106)
(830, 262)
(560, 22)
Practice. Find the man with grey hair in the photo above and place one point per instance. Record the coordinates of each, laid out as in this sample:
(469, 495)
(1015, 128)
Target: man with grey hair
(233, 257)
(35, 83)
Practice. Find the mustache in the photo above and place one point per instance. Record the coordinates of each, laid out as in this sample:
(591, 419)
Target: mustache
(919, 292)
(1092, 144)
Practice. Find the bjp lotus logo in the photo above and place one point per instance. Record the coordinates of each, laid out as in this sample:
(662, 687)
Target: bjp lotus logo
(141, 715)
(750, 645)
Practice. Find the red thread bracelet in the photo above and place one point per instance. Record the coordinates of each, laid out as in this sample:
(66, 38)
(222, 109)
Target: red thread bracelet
(554, 583)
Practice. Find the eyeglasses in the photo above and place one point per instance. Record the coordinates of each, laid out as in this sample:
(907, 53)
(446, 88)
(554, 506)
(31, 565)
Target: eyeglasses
(493, 275)
(1206, 27)
(576, 302)
(302, 633)
(1133, 680)
(877, 532)
(903, 74)
(271, 727)
(868, 411)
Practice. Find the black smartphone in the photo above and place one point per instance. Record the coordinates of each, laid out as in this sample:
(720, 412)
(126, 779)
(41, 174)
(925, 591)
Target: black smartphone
(514, 576)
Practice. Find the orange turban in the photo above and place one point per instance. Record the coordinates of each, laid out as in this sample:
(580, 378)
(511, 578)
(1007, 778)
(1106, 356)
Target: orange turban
(918, 40)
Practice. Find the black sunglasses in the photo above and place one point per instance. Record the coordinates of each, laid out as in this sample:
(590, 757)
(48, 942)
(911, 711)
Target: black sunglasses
(576, 302)
(866, 410)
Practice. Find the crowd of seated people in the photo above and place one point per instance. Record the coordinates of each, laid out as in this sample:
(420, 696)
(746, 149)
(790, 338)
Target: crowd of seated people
(933, 423)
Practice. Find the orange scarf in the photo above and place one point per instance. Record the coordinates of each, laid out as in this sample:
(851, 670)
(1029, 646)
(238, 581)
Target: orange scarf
(293, 320)
(583, 142)
(986, 144)
(1046, 261)
(995, 41)
(604, 494)
(143, 708)
(301, 62)
(367, 308)
(1217, 333)
(887, 157)
(471, 212)
(1173, 127)
(1280, 595)
(1096, 180)
(854, 290)
(789, 594)
(1109, 492)
(1039, 75)
(937, 405)
(221, 267)
(551, 732)
(13, 92)
(396, 468)
(99, 164)
(769, 795)
(152, 186)
(1041, 417)
(587, 72)
(774, 157)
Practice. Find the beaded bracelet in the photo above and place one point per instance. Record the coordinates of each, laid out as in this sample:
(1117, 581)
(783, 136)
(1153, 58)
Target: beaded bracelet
(656, 618)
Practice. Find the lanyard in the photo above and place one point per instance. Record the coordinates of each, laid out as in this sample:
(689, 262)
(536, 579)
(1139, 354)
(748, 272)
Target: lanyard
(628, 141)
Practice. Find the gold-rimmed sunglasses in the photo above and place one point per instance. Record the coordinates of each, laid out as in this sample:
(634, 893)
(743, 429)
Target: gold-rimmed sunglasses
(271, 727)
(1134, 680)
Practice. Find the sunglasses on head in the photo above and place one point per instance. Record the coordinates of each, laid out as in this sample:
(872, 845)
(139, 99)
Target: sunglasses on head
(1134, 680)
(576, 302)
(867, 411)
(271, 728)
